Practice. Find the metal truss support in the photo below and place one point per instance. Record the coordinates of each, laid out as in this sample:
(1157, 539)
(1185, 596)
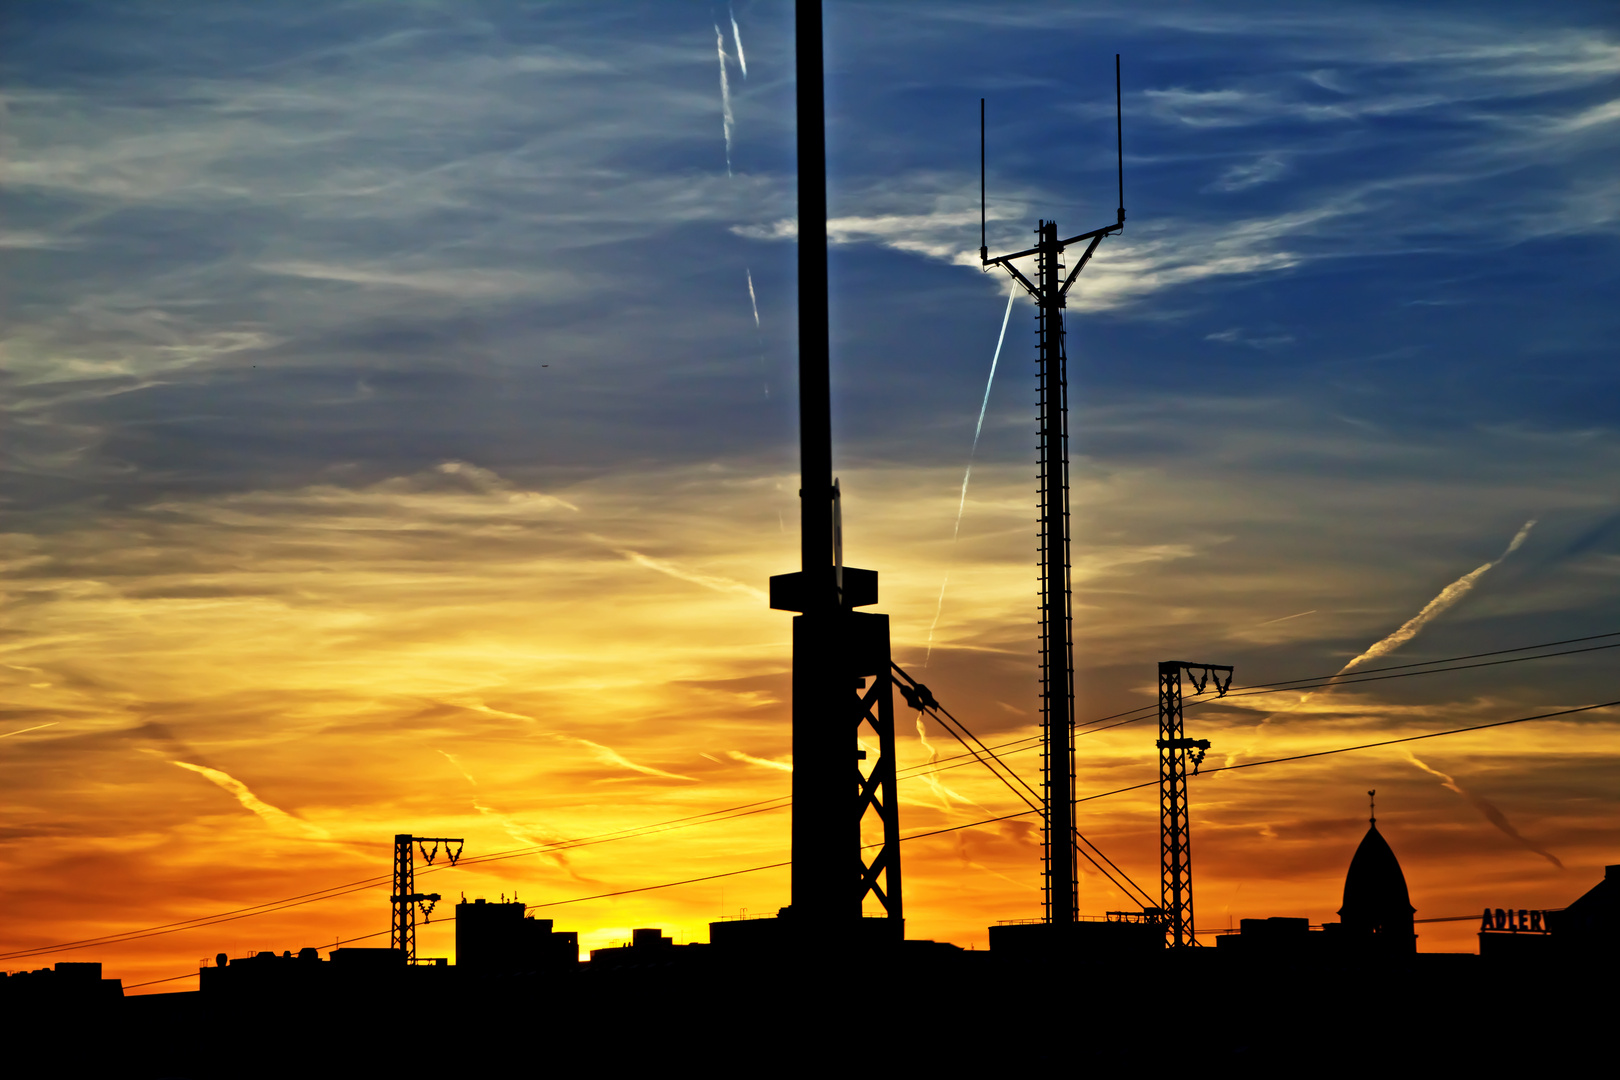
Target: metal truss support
(404, 897)
(1175, 832)
(877, 783)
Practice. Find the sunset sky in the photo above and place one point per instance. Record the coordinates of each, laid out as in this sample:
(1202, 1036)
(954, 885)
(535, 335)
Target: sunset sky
(401, 428)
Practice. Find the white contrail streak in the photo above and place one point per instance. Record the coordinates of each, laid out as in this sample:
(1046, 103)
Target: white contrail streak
(610, 756)
(1285, 618)
(726, 119)
(750, 759)
(736, 36)
(1409, 629)
(983, 405)
(1438, 606)
(752, 299)
(24, 731)
(961, 503)
(273, 816)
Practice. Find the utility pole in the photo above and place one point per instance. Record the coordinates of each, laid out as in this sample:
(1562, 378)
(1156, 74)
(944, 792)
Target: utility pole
(1050, 290)
(836, 649)
(1175, 831)
(405, 899)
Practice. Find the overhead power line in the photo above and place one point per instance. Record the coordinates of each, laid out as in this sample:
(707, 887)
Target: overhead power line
(762, 806)
(1025, 813)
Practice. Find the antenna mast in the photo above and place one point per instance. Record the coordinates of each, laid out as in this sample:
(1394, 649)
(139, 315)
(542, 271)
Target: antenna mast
(1050, 289)
(836, 649)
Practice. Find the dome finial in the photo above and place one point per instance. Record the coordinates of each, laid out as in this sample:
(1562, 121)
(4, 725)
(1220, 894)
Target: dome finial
(1372, 808)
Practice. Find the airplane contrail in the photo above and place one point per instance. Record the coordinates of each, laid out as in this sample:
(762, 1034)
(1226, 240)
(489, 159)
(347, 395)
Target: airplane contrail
(1436, 607)
(726, 119)
(1491, 813)
(736, 36)
(945, 793)
(517, 830)
(738, 755)
(752, 299)
(612, 757)
(1409, 629)
(995, 358)
(23, 731)
(271, 815)
(961, 504)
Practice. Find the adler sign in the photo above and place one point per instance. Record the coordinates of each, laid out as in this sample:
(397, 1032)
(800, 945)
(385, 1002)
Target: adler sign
(1520, 922)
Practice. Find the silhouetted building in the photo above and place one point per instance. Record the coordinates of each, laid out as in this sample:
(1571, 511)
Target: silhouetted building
(1377, 914)
(1587, 925)
(1281, 937)
(648, 947)
(65, 985)
(1119, 935)
(499, 938)
(1579, 933)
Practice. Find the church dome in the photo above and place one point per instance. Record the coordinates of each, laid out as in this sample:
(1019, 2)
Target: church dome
(1375, 896)
(1377, 908)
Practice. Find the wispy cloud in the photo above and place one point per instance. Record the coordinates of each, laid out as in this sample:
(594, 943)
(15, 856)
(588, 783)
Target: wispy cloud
(1488, 810)
(764, 763)
(611, 756)
(520, 832)
(665, 566)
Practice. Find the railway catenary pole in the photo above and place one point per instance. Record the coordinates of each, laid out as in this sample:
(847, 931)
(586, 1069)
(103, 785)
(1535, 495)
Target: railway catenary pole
(404, 899)
(1050, 291)
(1175, 828)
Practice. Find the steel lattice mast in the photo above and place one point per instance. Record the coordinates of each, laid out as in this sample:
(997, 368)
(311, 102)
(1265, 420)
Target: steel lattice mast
(1175, 830)
(1050, 292)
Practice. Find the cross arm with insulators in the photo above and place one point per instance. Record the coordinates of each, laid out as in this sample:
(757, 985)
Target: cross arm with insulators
(1199, 748)
(429, 856)
(1201, 674)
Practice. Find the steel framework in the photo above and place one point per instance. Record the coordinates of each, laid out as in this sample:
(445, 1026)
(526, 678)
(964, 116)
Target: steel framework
(836, 649)
(1175, 833)
(405, 899)
(1050, 291)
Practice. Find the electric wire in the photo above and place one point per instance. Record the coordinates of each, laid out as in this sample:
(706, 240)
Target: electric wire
(919, 696)
(765, 805)
(1026, 812)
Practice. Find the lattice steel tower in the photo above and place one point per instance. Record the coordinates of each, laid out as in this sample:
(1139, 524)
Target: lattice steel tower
(1050, 290)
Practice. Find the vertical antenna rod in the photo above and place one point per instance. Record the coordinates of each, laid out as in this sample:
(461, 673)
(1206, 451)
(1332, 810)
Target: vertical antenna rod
(1119, 138)
(984, 250)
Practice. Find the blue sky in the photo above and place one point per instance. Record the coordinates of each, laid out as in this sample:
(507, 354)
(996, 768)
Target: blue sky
(309, 305)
